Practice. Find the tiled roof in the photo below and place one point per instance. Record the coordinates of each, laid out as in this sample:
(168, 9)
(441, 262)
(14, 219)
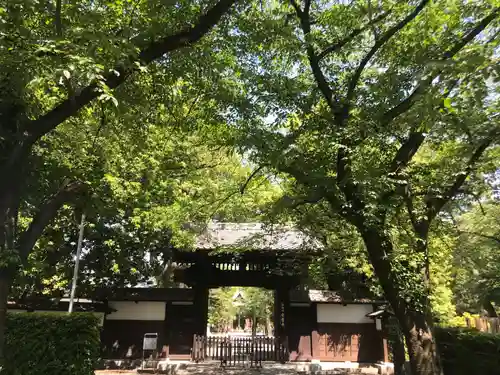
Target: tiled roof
(254, 236)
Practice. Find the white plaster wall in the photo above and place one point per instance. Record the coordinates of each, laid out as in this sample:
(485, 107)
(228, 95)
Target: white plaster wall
(328, 313)
(142, 310)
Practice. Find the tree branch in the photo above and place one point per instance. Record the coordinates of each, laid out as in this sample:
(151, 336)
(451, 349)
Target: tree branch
(341, 43)
(407, 151)
(437, 204)
(309, 182)
(296, 6)
(307, 6)
(411, 210)
(323, 85)
(378, 44)
(58, 17)
(344, 173)
(292, 203)
(252, 175)
(45, 215)
(69, 107)
(410, 147)
(407, 103)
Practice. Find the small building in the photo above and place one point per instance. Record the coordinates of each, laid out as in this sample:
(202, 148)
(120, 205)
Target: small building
(319, 325)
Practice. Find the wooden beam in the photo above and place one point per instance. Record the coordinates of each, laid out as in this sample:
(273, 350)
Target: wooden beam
(201, 309)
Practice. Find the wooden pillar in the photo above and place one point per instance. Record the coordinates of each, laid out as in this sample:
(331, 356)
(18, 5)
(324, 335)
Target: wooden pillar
(166, 334)
(384, 334)
(279, 312)
(281, 306)
(385, 348)
(200, 306)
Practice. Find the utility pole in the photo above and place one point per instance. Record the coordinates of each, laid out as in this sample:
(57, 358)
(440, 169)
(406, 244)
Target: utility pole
(77, 264)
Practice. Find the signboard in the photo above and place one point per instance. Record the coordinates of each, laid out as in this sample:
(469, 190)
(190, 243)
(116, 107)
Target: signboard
(150, 341)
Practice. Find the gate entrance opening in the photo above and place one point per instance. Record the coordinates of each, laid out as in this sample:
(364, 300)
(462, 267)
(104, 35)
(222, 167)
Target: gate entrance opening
(240, 311)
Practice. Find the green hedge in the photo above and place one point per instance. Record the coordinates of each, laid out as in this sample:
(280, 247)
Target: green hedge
(468, 352)
(51, 344)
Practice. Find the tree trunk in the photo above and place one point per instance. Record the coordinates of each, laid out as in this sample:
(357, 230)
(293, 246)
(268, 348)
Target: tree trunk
(254, 325)
(269, 329)
(413, 316)
(421, 345)
(9, 207)
(398, 351)
(4, 294)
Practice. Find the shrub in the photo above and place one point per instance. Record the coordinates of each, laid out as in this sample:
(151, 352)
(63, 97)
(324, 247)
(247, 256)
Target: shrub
(51, 344)
(468, 352)
(461, 320)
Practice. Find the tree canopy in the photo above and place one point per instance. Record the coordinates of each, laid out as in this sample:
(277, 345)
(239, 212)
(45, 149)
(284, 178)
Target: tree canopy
(371, 125)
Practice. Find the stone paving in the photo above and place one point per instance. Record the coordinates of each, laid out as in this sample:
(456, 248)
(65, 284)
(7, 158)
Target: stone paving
(267, 369)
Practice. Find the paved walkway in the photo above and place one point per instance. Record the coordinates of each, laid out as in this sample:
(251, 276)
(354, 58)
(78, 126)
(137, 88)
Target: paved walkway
(200, 369)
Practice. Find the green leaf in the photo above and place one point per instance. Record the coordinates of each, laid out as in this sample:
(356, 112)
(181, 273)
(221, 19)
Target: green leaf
(447, 103)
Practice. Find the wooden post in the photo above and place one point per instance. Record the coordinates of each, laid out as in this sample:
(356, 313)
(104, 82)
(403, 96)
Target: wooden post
(385, 344)
(384, 334)
(277, 313)
(166, 331)
(284, 322)
(200, 307)
(277, 323)
(281, 306)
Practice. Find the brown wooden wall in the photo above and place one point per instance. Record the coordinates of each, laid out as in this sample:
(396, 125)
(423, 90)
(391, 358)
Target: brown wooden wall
(347, 342)
(308, 339)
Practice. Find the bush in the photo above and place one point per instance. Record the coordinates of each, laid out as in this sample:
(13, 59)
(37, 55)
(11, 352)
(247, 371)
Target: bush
(468, 352)
(51, 344)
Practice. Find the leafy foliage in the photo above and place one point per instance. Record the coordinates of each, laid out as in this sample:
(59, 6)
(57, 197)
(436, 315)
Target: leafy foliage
(258, 305)
(221, 309)
(383, 114)
(147, 177)
(466, 351)
(476, 258)
(52, 344)
(141, 207)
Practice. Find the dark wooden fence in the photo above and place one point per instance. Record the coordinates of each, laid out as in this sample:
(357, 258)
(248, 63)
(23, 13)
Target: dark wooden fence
(239, 351)
(491, 325)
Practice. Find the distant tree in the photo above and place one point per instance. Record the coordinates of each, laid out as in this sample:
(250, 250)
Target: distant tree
(476, 259)
(221, 309)
(258, 306)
